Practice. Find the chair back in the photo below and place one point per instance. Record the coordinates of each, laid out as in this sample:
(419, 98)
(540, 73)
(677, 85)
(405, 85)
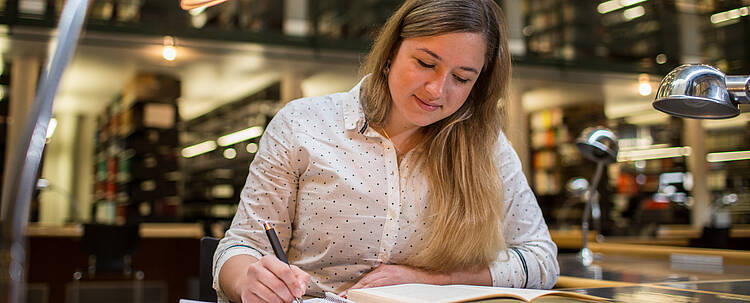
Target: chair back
(111, 245)
(206, 292)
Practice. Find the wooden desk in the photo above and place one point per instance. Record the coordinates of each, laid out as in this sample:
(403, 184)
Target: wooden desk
(666, 235)
(147, 230)
(665, 293)
(638, 273)
(168, 253)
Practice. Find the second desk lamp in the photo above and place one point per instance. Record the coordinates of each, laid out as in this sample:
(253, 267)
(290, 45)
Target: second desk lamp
(597, 144)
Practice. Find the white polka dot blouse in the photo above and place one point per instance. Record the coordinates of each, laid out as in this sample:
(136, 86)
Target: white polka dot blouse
(341, 203)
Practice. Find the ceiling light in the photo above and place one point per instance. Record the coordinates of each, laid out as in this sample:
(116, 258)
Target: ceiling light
(728, 156)
(730, 15)
(230, 153)
(653, 153)
(633, 13)
(239, 136)
(198, 149)
(613, 5)
(252, 148)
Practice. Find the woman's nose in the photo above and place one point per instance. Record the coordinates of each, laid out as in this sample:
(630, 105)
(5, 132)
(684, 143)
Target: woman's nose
(435, 86)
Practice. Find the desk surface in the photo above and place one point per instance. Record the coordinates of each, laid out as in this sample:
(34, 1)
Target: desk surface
(646, 270)
(639, 279)
(655, 293)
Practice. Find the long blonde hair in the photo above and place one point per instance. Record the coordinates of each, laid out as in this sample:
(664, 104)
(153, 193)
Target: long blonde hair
(465, 211)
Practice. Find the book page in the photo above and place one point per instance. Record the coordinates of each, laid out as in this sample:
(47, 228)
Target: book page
(449, 293)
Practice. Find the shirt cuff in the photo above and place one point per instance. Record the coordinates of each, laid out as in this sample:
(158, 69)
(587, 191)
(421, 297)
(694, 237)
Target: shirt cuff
(222, 257)
(508, 270)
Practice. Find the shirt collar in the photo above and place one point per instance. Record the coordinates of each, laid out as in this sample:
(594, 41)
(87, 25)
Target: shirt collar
(354, 115)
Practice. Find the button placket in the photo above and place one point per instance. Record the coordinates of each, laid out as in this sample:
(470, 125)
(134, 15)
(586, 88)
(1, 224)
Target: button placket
(390, 227)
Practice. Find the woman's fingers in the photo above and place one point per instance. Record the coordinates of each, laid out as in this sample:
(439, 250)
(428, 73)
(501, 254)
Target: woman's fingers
(302, 276)
(369, 279)
(282, 279)
(270, 280)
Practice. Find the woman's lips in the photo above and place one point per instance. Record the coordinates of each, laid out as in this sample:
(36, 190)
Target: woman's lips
(426, 106)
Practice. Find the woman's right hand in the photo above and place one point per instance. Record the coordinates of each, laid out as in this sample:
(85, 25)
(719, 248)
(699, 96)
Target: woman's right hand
(270, 280)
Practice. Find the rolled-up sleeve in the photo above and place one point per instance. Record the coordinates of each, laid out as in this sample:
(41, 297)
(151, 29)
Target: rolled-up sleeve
(531, 258)
(269, 194)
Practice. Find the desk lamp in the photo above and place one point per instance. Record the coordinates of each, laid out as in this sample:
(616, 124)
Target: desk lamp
(597, 144)
(701, 92)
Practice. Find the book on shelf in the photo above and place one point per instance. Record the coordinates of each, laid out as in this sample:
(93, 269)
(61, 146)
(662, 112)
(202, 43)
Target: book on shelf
(415, 293)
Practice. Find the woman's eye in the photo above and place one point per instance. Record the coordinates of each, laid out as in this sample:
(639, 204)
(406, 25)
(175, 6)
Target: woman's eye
(425, 64)
(461, 80)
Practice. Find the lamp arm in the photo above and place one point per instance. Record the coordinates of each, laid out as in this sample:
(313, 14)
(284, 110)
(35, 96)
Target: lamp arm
(593, 194)
(27, 153)
(739, 88)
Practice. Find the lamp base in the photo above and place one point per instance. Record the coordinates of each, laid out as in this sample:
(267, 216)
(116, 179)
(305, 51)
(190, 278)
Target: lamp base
(585, 256)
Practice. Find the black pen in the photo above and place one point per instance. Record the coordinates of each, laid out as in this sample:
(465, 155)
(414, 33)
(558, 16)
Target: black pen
(277, 250)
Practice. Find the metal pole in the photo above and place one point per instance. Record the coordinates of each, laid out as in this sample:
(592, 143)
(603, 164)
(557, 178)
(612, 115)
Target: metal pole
(585, 256)
(26, 155)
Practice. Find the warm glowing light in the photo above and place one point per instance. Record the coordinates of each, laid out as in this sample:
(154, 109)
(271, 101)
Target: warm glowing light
(613, 5)
(661, 58)
(239, 136)
(51, 128)
(728, 156)
(644, 89)
(230, 153)
(654, 153)
(169, 53)
(252, 148)
(633, 13)
(193, 4)
(197, 11)
(198, 149)
(730, 15)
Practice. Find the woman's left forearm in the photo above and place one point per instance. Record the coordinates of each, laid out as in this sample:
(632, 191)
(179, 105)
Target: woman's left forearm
(480, 276)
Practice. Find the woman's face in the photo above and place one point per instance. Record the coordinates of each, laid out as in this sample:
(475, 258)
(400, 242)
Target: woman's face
(431, 77)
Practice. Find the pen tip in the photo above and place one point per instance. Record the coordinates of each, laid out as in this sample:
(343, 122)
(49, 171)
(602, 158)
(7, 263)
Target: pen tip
(267, 225)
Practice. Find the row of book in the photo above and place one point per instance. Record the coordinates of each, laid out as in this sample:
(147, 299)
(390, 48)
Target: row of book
(137, 173)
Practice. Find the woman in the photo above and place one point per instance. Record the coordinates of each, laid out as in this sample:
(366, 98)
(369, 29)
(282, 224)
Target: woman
(407, 178)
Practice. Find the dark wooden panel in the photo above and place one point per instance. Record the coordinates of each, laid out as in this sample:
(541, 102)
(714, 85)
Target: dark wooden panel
(53, 260)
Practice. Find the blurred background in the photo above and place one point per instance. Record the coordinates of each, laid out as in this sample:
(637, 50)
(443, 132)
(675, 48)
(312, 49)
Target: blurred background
(159, 114)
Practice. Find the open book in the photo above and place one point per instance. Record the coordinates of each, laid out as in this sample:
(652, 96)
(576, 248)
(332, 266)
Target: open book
(415, 293)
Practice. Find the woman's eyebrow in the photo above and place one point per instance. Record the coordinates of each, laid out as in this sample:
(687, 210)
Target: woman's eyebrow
(431, 53)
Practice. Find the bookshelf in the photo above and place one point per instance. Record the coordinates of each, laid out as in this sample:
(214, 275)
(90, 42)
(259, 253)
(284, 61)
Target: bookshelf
(137, 176)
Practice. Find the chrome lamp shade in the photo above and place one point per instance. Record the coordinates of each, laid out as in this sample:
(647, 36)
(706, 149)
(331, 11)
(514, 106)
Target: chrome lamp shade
(598, 144)
(701, 92)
